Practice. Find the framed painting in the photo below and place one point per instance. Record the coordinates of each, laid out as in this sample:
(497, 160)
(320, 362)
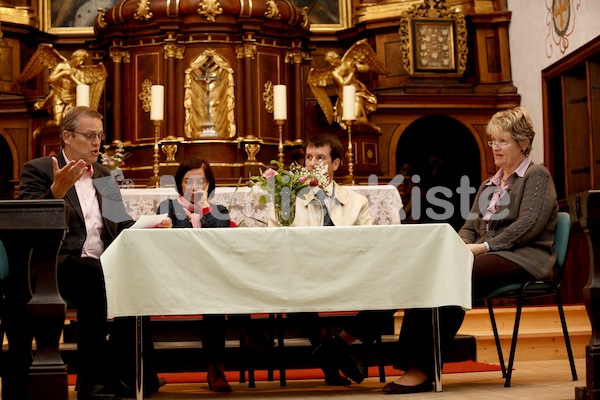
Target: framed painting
(326, 15)
(72, 16)
(433, 45)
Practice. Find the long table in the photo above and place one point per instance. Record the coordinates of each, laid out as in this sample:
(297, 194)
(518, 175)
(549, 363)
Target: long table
(244, 208)
(280, 270)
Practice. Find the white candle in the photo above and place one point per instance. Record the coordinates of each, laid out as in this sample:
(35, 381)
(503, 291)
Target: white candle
(82, 95)
(279, 102)
(349, 103)
(157, 103)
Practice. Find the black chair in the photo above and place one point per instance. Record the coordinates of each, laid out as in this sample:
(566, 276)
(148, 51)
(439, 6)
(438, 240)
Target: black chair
(522, 291)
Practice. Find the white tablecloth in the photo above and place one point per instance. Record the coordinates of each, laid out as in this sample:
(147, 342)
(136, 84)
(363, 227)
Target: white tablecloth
(255, 270)
(384, 203)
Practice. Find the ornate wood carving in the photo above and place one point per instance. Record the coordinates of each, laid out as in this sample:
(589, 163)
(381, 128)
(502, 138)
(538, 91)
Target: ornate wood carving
(433, 39)
(210, 9)
(143, 10)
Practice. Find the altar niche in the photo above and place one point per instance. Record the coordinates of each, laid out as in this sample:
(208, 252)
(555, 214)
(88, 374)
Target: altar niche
(209, 86)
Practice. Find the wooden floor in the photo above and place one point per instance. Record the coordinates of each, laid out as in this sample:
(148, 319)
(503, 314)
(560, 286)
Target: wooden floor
(532, 380)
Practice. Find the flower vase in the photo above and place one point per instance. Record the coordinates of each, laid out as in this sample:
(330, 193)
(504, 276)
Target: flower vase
(285, 213)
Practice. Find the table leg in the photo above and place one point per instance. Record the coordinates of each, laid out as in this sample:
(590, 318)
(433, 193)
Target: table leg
(139, 360)
(437, 351)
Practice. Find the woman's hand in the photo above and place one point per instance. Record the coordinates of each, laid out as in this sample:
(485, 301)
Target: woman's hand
(166, 223)
(476, 248)
(201, 198)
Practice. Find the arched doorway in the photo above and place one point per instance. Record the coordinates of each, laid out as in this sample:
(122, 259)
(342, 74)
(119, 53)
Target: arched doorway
(442, 152)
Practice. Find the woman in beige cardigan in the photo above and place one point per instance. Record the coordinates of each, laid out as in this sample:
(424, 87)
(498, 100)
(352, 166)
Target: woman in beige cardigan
(510, 231)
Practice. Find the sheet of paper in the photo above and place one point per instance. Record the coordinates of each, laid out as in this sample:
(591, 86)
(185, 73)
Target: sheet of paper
(148, 221)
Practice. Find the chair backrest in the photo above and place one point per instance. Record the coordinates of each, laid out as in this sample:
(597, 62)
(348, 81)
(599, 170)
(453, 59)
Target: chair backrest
(3, 262)
(561, 237)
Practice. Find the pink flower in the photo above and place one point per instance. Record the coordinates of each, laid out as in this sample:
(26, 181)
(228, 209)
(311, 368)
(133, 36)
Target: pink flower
(270, 173)
(302, 179)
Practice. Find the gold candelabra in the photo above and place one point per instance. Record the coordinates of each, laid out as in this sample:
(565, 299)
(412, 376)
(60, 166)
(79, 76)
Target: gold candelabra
(350, 155)
(280, 123)
(155, 180)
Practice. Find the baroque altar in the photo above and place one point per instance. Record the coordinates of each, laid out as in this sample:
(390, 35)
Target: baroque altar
(218, 62)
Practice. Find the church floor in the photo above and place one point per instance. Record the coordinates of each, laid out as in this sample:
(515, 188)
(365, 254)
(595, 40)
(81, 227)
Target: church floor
(532, 380)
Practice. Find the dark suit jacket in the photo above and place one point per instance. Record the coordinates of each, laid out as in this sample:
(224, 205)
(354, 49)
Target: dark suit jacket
(218, 218)
(36, 178)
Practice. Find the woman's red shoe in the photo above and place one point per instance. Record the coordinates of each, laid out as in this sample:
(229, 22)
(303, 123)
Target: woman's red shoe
(217, 382)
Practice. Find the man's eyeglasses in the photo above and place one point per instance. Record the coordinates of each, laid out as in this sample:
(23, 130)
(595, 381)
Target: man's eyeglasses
(499, 143)
(92, 135)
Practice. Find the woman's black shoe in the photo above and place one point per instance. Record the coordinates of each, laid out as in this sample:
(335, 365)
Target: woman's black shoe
(394, 388)
(95, 392)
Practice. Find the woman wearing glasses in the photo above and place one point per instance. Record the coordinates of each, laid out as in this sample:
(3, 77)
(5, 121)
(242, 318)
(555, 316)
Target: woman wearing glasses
(196, 184)
(510, 231)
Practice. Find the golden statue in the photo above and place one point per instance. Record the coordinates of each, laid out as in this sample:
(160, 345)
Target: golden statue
(344, 71)
(64, 77)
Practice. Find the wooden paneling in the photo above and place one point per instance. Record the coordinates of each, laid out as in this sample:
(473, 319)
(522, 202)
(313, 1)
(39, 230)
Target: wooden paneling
(576, 134)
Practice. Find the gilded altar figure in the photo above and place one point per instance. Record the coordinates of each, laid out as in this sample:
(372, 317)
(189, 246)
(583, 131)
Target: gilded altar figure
(344, 71)
(64, 77)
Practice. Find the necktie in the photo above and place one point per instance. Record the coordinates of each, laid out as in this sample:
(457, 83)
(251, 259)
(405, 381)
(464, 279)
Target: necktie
(326, 217)
(90, 171)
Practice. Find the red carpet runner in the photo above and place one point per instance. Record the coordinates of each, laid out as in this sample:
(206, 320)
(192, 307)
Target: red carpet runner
(297, 374)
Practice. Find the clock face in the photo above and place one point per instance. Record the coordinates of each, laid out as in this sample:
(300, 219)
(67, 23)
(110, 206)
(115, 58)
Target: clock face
(561, 15)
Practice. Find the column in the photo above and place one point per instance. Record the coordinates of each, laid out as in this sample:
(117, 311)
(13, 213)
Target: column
(129, 101)
(116, 129)
(240, 84)
(298, 111)
(170, 84)
(250, 86)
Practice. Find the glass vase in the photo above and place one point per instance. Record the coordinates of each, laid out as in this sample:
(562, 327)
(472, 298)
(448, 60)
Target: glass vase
(285, 212)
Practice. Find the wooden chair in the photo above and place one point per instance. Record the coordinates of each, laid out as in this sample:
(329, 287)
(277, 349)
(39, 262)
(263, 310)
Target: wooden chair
(522, 291)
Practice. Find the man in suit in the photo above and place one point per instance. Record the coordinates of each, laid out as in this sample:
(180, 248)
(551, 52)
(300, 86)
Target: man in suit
(334, 205)
(71, 175)
(345, 207)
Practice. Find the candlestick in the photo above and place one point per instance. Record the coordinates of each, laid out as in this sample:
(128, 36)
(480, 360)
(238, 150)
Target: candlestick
(349, 103)
(279, 102)
(350, 154)
(157, 103)
(280, 123)
(155, 180)
(82, 95)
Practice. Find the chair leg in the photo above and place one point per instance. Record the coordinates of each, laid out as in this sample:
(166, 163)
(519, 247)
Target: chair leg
(281, 351)
(563, 322)
(271, 337)
(513, 345)
(496, 336)
(246, 363)
(380, 363)
(243, 350)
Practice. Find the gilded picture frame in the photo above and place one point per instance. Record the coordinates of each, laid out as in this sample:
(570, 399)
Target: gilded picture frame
(326, 15)
(71, 17)
(433, 45)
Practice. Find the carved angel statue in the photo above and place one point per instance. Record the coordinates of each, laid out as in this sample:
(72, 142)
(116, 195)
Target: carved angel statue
(64, 77)
(360, 57)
